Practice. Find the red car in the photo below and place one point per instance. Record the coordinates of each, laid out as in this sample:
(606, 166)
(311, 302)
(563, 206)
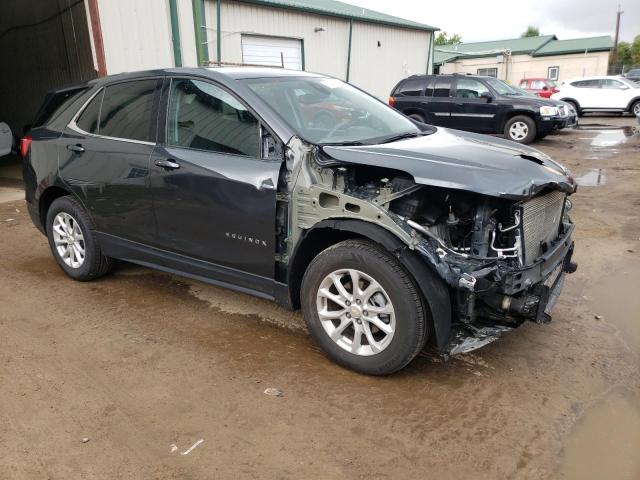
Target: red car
(542, 87)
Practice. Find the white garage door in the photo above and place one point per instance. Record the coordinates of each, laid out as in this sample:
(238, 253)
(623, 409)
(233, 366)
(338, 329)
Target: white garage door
(260, 50)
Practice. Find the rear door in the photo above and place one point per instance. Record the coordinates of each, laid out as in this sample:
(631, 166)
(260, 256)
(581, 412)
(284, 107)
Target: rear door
(104, 157)
(214, 194)
(438, 101)
(471, 112)
(588, 93)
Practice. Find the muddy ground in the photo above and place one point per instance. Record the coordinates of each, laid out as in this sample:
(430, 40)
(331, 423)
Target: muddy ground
(142, 366)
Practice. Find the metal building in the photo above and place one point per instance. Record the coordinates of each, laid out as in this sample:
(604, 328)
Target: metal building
(47, 43)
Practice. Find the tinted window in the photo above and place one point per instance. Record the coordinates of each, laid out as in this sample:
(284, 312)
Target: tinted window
(470, 88)
(56, 102)
(443, 85)
(88, 120)
(206, 117)
(127, 111)
(586, 84)
(429, 90)
(412, 87)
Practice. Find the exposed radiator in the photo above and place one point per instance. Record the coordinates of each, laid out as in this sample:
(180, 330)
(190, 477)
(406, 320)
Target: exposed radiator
(540, 223)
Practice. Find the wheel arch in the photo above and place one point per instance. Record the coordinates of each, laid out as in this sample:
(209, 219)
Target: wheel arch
(47, 197)
(514, 113)
(435, 293)
(631, 103)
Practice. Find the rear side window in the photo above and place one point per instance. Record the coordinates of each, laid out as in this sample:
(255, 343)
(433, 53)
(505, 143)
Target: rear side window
(89, 119)
(127, 111)
(412, 87)
(56, 102)
(586, 84)
(442, 87)
(203, 116)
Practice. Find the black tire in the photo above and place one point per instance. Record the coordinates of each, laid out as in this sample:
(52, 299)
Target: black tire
(575, 106)
(95, 264)
(411, 316)
(417, 117)
(522, 120)
(635, 108)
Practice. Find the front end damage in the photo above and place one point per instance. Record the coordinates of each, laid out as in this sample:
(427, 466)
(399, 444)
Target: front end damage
(503, 257)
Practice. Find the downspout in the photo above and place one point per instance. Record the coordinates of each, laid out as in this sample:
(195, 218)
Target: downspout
(218, 31)
(200, 31)
(175, 33)
(96, 31)
(349, 50)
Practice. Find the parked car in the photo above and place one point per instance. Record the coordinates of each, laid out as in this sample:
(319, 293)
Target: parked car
(600, 94)
(7, 140)
(542, 87)
(633, 75)
(390, 234)
(477, 104)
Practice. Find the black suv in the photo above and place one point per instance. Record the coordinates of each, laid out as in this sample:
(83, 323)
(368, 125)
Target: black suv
(478, 104)
(299, 188)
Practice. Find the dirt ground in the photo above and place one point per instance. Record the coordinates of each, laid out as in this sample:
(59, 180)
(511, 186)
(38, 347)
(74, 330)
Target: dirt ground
(122, 377)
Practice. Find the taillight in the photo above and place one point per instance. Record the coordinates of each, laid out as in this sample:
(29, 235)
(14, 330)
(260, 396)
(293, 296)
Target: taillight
(25, 143)
(392, 101)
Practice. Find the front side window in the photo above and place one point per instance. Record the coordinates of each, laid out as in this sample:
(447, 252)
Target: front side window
(470, 88)
(127, 111)
(328, 111)
(203, 116)
(612, 84)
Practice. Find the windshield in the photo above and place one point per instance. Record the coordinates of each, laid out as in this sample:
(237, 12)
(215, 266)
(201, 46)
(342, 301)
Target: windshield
(328, 111)
(501, 88)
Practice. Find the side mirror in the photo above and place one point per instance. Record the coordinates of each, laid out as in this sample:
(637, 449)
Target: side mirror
(7, 143)
(624, 87)
(487, 96)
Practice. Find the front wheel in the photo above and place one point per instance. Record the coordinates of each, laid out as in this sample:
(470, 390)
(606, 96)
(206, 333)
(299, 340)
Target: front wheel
(521, 129)
(363, 308)
(74, 247)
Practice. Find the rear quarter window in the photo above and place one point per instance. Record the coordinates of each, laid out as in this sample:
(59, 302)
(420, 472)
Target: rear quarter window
(412, 87)
(56, 102)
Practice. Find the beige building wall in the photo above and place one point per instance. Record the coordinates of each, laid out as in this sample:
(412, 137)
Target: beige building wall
(523, 66)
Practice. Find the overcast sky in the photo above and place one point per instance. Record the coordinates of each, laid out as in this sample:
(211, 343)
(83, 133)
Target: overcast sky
(479, 20)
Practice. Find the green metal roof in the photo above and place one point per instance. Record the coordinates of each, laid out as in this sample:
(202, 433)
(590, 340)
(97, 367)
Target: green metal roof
(343, 10)
(576, 45)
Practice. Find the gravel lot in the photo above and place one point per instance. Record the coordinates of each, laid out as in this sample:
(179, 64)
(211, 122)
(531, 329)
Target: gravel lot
(122, 377)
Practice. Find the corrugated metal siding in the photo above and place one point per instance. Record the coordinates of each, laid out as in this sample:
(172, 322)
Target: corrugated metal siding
(324, 52)
(40, 49)
(377, 69)
(136, 34)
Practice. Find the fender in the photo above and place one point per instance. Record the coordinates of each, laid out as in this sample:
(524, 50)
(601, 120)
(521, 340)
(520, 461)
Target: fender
(434, 291)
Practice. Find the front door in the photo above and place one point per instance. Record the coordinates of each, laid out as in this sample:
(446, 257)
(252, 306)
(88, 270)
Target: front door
(214, 196)
(104, 158)
(471, 111)
(613, 94)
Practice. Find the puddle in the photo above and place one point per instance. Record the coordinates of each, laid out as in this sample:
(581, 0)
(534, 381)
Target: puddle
(593, 178)
(615, 297)
(609, 138)
(605, 442)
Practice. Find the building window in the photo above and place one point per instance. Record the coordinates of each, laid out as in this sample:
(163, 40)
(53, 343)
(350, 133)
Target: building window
(553, 73)
(488, 72)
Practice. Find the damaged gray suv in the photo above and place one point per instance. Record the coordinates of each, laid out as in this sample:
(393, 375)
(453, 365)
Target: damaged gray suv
(391, 235)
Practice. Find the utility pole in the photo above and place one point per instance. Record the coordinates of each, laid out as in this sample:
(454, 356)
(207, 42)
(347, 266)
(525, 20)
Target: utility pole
(618, 15)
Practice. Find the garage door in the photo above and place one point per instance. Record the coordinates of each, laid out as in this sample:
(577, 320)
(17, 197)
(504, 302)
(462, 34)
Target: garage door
(259, 50)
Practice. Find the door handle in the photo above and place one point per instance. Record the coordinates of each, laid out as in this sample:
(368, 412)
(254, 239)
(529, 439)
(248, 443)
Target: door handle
(267, 184)
(77, 148)
(167, 164)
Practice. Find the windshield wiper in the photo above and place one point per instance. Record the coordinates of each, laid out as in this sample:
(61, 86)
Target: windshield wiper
(402, 136)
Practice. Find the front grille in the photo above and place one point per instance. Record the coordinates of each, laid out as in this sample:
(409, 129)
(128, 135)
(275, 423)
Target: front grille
(540, 223)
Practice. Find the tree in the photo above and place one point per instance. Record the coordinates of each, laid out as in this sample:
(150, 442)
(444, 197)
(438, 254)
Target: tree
(443, 39)
(531, 31)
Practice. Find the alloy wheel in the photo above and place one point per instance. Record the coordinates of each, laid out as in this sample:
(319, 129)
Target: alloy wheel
(636, 109)
(518, 131)
(356, 312)
(69, 240)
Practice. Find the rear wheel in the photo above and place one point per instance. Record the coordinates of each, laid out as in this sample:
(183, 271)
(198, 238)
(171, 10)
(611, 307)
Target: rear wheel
(635, 108)
(70, 234)
(363, 308)
(521, 129)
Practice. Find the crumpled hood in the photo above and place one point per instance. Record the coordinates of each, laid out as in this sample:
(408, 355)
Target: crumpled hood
(465, 161)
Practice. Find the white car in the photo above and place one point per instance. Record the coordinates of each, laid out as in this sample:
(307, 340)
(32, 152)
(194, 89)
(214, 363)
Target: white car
(600, 94)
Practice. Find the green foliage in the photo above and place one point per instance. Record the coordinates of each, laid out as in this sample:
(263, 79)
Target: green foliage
(627, 55)
(443, 39)
(531, 32)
